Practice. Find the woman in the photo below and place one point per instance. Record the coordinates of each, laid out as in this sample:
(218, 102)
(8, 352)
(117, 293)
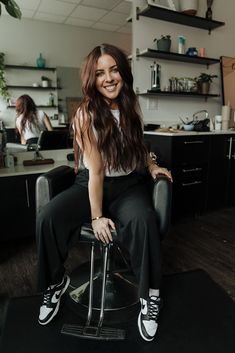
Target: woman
(30, 121)
(109, 137)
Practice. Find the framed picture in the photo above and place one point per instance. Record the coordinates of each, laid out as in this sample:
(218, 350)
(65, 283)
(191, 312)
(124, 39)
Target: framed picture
(166, 4)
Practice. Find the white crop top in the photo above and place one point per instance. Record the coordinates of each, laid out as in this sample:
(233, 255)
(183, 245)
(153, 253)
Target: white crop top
(111, 173)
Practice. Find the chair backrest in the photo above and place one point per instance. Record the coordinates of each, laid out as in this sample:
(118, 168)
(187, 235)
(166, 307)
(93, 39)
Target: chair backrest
(53, 140)
(58, 179)
(52, 183)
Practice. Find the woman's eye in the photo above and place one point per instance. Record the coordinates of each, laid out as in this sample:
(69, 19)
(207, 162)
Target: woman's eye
(98, 74)
(115, 70)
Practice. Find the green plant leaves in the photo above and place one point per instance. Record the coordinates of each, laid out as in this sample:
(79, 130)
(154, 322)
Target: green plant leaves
(12, 8)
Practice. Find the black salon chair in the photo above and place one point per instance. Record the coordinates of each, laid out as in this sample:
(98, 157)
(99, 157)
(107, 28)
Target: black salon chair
(107, 289)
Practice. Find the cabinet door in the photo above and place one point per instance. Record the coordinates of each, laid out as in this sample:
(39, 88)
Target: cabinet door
(17, 208)
(219, 171)
(231, 187)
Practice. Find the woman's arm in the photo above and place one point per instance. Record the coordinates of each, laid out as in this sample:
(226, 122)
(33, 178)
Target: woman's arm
(47, 122)
(95, 165)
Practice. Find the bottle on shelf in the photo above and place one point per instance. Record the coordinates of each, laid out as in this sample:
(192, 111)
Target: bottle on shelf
(51, 100)
(181, 45)
(155, 76)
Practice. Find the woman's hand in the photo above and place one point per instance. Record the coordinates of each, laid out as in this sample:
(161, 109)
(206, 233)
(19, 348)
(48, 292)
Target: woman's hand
(101, 228)
(156, 171)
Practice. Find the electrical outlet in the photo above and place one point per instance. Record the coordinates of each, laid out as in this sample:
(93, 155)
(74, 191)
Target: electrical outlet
(152, 104)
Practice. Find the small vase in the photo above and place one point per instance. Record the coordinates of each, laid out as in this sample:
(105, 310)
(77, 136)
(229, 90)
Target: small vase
(203, 87)
(41, 62)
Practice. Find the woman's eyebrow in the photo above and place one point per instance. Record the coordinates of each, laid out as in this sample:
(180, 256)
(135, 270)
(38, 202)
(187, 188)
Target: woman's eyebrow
(110, 68)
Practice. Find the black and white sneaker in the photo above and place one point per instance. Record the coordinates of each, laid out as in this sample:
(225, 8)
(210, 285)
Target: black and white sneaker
(148, 317)
(51, 301)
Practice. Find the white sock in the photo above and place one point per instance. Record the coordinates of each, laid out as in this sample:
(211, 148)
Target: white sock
(154, 292)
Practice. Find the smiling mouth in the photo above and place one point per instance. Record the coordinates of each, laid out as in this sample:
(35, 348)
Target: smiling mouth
(110, 88)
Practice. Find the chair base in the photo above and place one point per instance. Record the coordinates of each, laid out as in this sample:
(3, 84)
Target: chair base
(94, 332)
(117, 307)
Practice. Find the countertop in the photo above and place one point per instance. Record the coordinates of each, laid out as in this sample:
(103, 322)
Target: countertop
(189, 133)
(59, 157)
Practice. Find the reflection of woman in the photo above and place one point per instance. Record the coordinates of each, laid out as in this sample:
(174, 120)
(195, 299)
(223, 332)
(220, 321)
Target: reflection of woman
(30, 121)
(110, 192)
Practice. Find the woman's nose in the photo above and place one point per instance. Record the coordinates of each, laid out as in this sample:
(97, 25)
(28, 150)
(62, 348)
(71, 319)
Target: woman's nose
(108, 76)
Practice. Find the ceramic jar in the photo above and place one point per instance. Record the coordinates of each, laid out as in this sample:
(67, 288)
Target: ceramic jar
(189, 7)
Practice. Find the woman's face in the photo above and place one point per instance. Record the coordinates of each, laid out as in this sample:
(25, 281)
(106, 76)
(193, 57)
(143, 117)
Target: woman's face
(108, 79)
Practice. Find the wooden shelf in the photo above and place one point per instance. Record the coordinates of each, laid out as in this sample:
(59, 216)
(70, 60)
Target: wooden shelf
(177, 94)
(33, 88)
(178, 17)
(25, 67)
(152, 53)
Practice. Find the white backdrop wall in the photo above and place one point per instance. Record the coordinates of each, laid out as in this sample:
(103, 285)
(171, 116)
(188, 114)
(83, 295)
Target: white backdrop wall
(61, 45)
(220, 42)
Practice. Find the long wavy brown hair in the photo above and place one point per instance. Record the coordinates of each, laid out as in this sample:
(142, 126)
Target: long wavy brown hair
(27, 107)
(121, 146)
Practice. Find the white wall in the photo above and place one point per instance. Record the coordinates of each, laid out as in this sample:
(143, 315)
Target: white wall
(219, 42)
(61, 45)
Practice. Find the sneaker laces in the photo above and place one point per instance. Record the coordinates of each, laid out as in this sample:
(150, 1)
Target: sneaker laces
(47, 297)
(153, 307)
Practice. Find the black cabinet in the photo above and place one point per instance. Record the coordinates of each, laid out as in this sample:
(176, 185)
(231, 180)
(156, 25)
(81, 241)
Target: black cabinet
(17, 208)
(221, 182)
(187, 158)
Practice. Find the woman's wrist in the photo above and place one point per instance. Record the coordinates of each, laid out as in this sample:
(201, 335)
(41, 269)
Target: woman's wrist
(96, 218)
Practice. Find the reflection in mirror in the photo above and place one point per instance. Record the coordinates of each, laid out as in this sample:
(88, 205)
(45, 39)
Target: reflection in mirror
(69, 93)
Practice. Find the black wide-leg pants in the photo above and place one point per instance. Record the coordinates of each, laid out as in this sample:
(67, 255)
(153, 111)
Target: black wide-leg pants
(127, 201)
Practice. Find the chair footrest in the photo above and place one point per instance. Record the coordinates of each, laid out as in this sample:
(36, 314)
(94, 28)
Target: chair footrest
(94, 332)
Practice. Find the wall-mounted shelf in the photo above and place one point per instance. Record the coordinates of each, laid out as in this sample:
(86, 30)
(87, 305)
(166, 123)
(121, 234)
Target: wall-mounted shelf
(152, 53)
(178, 17)
(38, 106)
(33, 88)
(150, 93)
(26, 67)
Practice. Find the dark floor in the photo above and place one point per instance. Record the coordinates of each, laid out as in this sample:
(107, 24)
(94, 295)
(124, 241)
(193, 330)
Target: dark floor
(206, 242)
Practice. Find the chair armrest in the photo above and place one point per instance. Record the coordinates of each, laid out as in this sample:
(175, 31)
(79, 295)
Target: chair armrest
(52, 183)
(162, 194)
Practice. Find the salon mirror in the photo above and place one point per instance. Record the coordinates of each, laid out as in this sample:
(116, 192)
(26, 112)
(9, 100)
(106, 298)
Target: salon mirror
(69, 96)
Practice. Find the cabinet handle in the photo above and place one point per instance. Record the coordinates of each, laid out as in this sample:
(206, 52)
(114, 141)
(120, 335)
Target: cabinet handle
(230, 148)
(27, 192)
(193, 142)
(191, 170)
(192, 183)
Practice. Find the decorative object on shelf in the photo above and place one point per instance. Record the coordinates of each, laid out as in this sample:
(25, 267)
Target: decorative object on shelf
(51, 99)
(41, 62)
(164, 43)
(3, 85)
(165, 4)
(45, 81)
(181, 45)
(12, 8)
(189, 7)
(192, 51)
(155, 76)
(203, 82)
(209, 10)
(202, 52)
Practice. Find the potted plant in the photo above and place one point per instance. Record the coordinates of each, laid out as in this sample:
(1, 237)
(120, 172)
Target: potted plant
(45, 81)
(3, 85)
(203, 82)
(164, 43)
